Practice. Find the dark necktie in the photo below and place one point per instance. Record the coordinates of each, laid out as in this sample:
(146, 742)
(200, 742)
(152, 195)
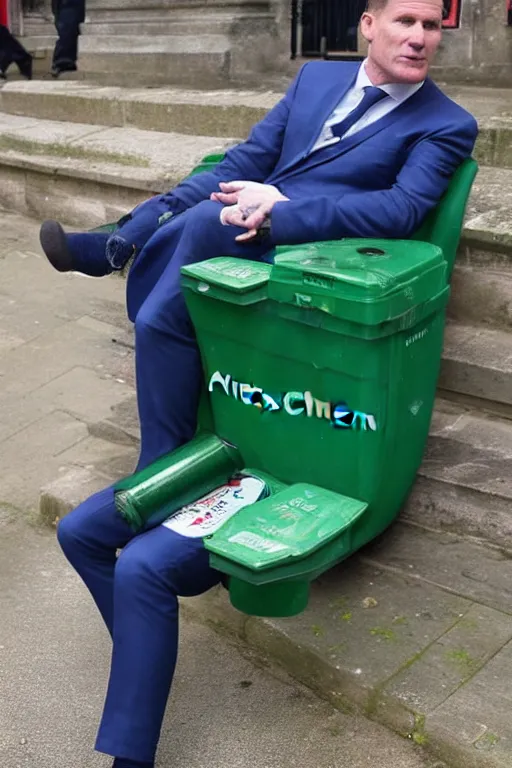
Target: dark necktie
(372, 95)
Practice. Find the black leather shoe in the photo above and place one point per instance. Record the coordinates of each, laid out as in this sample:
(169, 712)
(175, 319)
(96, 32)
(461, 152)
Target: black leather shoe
(54, 243)
(57, 71)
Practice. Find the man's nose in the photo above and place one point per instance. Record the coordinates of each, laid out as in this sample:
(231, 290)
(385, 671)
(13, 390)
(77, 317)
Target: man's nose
(417, 37)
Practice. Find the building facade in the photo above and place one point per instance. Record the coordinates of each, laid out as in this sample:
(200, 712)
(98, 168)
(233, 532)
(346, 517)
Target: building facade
(268, 39)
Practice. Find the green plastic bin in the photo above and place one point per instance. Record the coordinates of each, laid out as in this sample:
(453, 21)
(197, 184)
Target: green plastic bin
(322, 369)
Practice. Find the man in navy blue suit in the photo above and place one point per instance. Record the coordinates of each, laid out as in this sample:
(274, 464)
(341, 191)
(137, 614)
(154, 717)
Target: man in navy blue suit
(349, 151)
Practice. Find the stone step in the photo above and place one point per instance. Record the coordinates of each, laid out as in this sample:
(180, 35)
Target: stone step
(36, 43)
(482, 278)
(465, 481)
(195, 111)
(35, 26)
(150, 161)
(415, 632)
(128, 163)
(213, 113)
(87, 175)
(477, 364)
(150, 22)
(198, 60)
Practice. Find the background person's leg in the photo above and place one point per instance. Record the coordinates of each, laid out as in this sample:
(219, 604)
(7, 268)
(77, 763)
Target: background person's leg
(151, 572)
(69, 16)
(11, 50)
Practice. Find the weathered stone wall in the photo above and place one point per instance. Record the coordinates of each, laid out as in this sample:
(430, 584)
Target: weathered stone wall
(480, 51)
(257, 38)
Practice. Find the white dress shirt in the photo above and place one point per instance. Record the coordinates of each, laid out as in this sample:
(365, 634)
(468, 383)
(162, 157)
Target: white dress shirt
(397, 93)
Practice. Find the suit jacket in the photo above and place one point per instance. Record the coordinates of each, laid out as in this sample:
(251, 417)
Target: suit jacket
(378, 182)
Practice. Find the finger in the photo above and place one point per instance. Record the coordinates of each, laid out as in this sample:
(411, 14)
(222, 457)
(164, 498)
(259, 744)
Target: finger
(234, 218)
(227, 199)
(256, 219)
(247, 236)
(231, 186)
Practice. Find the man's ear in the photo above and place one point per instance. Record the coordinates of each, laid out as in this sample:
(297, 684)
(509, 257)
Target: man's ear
(367, 26)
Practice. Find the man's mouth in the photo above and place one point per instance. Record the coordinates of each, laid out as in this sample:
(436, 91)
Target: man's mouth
(414, 59)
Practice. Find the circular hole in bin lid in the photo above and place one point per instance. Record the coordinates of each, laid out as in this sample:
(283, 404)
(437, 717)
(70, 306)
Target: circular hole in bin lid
(368, 251)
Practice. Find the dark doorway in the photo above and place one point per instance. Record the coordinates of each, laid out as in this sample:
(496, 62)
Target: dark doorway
(326, 26)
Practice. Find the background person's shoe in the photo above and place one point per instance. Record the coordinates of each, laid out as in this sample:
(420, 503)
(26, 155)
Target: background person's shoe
(57, 71)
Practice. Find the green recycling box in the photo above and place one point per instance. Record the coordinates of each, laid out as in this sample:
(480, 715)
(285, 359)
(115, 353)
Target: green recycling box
(321, 370)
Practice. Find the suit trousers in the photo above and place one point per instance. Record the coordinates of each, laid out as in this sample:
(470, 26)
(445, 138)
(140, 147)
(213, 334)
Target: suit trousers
(137, 592)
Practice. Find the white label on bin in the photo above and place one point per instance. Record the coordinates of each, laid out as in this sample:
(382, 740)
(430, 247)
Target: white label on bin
(206, 515)
(257, 543)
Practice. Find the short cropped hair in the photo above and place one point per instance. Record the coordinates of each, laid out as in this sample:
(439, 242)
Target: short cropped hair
(373, 6)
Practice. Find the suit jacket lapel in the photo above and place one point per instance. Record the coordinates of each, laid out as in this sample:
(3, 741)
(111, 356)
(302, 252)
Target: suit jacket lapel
(318, 112)
(307, 161)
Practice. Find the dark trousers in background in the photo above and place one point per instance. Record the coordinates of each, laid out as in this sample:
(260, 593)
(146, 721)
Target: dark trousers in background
(12, 51)
(69, 14)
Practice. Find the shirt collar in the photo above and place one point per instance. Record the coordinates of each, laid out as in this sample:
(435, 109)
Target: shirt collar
(398, 91)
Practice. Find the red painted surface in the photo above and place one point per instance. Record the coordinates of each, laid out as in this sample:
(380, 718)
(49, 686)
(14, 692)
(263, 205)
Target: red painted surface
(4, 12)
(451, 20)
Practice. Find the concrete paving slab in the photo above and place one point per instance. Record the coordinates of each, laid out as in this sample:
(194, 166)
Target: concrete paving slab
(452, 660)
(85, 393)
(225, 709)
(47, 394)
(30, 458)
(477, 717)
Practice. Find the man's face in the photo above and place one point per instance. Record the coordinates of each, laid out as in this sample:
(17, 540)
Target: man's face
(403, 38)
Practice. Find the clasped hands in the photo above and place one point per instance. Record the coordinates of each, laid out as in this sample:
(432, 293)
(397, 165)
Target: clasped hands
(247, 204)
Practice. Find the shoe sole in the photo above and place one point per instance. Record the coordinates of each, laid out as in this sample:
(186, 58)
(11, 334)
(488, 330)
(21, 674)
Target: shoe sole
(53, 242)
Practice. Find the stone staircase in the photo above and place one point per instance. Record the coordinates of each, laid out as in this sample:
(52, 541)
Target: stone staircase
(193, 44)
(86, 153)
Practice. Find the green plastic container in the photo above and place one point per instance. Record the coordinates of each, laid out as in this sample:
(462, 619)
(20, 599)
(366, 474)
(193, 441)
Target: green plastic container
(322, 369)
(148, 497)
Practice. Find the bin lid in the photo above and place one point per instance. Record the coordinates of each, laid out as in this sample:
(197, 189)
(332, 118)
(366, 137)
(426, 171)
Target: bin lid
(236, 276)
(364, 281)
(287, 525)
